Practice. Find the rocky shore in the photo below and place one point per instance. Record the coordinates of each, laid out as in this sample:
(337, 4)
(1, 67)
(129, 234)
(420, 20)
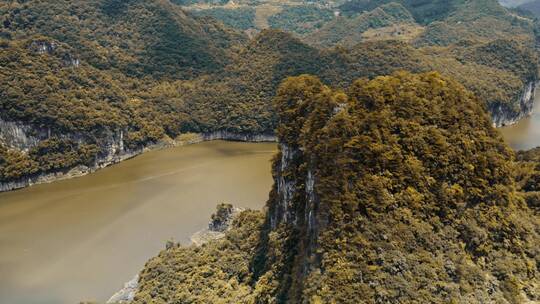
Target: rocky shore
(502, 116)
(19, 137)
(217, 227)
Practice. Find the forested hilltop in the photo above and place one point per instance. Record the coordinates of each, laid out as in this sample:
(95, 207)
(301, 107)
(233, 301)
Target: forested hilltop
(85, 81)
(396, 190)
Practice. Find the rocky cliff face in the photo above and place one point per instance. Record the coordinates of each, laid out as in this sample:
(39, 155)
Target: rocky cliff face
(23, 137)
(502, 116)
(225, 135)
(19, 136)
(113, 150)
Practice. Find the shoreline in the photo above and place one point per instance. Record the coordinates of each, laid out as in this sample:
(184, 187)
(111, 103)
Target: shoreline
(182, 140)
(199, 238)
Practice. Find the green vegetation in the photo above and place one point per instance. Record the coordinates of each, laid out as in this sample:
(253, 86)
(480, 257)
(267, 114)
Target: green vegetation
(92, 70)
(395, 190)
(424, 11)
(51, 155)
(217, 272)
(300, 19)
(242, 18)
(163, 42)
(347, 31)
(528, 177)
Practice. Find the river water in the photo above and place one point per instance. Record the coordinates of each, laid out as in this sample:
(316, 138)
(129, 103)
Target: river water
(526, 133)
(80, 239)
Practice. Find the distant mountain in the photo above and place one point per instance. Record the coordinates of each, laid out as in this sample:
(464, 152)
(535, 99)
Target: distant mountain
(90, 81)
(533, 6)
(514, 3)
(395, 190)
(349, 31)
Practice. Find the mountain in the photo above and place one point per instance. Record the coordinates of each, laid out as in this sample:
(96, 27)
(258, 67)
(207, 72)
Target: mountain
(139, 38)
(395, 190)
(75, 76)
(349, 31)
(87, 83)
(514, 3)
(532, 6)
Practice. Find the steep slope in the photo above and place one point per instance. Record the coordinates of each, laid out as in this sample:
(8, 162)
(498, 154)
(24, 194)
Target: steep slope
(139, 38)
(423, 11)
(395, 191)
(479, 21)
(348, 31)
(532, 6)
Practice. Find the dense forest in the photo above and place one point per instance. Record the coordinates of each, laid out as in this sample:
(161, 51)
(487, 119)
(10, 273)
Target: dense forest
(83, 72)
(390, 185)
(395, 190)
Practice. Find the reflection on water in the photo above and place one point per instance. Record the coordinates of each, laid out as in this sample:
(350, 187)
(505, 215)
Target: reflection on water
(80, 239)
(526, 133)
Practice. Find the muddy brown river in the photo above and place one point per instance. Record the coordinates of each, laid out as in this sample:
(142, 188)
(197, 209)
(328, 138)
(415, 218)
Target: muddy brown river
(526, 133)
(81, 239)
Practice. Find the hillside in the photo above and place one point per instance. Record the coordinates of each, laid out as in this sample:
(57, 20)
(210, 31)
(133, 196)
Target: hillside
(418, 205)
(532, 6)
(139, 38)
(348, 31)
(109, 78)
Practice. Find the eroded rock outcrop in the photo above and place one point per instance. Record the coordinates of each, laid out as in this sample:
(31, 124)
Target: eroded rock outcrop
(111, 145)
(502, 116)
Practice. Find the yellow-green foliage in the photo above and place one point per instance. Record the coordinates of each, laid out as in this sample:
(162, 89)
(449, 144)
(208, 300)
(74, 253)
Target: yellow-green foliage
(151, 71)
(414, 201)
(140, 38)
(528, 176)
(217, 272)
(415, 198)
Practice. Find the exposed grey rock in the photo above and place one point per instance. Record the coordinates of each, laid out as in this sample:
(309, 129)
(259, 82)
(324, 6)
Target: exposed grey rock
(42, 47)
(503, 116)
(24, 137)
(225, 135)
(218, 226)
(19, 136)
(126, 294)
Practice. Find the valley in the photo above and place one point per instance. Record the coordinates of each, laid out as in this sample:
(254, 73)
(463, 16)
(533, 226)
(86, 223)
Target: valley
(394, 151)
(81, 239)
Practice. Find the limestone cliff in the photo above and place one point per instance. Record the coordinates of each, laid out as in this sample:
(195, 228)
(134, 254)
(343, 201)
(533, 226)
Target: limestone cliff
(111, 146)
(503, 116)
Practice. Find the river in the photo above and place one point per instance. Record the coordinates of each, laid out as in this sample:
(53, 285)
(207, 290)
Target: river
(80, 239)
(526, 133)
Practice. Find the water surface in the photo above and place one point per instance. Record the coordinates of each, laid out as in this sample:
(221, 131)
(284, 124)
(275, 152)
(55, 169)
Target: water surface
(80, 239)
(526, 133)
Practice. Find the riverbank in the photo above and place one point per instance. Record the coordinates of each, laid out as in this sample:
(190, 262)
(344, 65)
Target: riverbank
(123, 215)
(182, 140)
(217, 227)
(502, 117)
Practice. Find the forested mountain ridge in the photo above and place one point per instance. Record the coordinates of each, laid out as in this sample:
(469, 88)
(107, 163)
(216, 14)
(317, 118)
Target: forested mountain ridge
(395, 190)
(139, 38)
(109, 77)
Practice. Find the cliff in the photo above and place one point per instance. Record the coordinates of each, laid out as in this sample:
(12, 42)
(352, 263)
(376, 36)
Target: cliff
(112, 149)
(373, 192)
(397, 190)
(502, 116)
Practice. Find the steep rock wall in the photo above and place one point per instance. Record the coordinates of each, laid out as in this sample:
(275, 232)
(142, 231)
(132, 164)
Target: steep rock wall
(23, 137)
(502, 116)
